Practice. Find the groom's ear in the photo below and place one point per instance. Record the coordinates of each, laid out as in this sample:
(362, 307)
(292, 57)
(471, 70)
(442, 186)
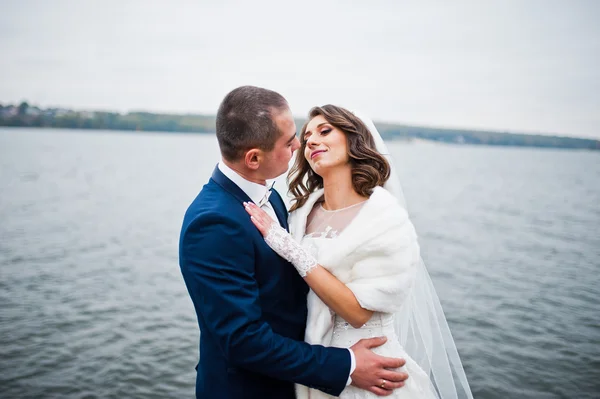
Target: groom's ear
(253, 158)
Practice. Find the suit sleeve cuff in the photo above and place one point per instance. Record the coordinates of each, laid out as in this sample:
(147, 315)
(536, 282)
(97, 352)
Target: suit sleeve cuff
(352, 366)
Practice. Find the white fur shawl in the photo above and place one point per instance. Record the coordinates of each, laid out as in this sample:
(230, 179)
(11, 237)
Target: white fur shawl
(375, 256)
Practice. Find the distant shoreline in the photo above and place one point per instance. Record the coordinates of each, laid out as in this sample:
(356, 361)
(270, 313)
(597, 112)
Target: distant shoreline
(24, 115)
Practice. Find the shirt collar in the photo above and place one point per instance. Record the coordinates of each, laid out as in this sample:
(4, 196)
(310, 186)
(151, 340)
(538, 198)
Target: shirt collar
(255, 191)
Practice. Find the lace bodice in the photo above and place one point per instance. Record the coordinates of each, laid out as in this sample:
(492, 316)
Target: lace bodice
(322, 223)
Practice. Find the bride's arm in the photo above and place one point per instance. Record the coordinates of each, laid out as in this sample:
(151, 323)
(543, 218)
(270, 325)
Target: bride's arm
(335, 294)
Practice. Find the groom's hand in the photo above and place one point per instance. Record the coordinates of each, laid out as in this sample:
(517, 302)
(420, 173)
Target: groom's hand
(376, 373)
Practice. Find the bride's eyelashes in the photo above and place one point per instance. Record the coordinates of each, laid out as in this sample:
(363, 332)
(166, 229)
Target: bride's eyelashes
(322, 132)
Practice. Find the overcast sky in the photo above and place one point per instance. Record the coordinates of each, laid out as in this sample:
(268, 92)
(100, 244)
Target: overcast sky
(523, 66)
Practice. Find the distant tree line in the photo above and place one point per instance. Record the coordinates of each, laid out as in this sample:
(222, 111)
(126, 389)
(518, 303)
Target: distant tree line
(25, 115)
(482, 137)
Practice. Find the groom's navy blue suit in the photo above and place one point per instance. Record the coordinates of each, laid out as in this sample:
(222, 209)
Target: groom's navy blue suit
(250, 303)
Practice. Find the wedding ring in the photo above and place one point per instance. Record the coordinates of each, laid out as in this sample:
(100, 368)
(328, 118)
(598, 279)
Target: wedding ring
(383, 384)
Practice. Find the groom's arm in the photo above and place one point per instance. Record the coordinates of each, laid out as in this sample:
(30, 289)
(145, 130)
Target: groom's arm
(225, 294)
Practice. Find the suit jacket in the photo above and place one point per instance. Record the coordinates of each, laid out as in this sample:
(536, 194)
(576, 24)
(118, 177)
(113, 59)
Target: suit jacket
(250, 304)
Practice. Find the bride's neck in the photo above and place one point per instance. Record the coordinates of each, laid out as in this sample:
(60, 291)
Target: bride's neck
(338, 190)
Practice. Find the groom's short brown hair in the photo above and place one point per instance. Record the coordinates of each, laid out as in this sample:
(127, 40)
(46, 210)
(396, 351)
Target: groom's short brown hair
(245, 121)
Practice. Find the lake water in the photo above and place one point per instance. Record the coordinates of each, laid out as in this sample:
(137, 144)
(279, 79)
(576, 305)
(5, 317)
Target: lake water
(93, 305)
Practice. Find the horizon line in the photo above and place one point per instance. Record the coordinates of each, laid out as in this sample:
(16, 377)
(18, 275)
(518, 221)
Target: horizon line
(379, 121)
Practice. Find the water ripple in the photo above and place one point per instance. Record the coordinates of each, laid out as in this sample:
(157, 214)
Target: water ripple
(94, 306)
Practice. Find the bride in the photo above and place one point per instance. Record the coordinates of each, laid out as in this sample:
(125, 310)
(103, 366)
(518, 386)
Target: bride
(353, 243)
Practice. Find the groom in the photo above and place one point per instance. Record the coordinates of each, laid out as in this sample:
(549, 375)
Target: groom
(250, 303)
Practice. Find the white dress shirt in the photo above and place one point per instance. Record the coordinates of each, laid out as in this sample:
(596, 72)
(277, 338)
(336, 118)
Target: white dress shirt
(256, 192)
(259, 194)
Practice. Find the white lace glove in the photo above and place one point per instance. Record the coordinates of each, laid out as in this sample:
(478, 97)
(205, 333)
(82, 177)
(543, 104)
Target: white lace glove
(285, 246)
(281, 241)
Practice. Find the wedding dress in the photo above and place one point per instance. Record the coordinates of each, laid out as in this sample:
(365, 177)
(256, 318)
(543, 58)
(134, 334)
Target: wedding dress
(341, 240)
(323, 227)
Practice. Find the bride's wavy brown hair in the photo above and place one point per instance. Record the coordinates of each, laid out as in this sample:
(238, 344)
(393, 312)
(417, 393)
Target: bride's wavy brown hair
(369, 168)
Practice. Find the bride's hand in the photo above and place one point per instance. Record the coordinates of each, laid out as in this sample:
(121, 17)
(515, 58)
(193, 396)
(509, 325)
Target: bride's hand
(281, 241)
(260, 218)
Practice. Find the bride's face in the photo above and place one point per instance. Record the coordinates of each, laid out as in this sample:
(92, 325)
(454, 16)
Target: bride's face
(326, 146)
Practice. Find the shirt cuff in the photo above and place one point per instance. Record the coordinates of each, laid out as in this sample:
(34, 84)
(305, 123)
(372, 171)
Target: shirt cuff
(352, 366)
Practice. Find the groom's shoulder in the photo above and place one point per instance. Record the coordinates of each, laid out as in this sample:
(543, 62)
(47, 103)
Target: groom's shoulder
(211, 204)
(212, 196)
